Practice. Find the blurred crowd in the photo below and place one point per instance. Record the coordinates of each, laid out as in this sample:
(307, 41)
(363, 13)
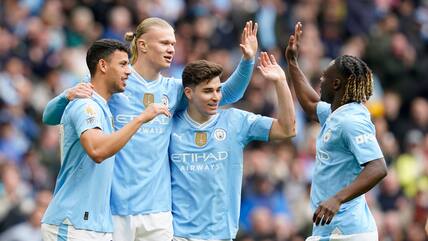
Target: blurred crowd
(43, 45)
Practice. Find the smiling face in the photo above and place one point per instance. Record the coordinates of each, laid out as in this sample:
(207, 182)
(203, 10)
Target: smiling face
(117, 71)
(157, 46)
(205, 97)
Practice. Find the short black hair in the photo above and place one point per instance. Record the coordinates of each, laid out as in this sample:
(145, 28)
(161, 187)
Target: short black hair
(199, 71)
(101, 49)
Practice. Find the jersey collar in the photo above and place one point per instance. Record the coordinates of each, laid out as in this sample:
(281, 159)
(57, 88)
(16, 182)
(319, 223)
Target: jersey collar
(197, 125)
(97, 96)
(143, 81)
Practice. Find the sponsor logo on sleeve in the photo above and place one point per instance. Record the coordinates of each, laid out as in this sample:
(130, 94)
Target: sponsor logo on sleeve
(364, 138)
(90, 114)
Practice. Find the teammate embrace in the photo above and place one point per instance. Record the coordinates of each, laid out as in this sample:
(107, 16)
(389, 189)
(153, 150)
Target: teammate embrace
(191, 190)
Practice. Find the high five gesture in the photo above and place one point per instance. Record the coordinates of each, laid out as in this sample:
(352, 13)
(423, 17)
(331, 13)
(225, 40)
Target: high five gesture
(249, 42)
(307, 96)
(292, 51)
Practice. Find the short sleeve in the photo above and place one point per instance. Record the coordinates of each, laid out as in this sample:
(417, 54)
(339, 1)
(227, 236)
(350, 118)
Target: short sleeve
(254, 127)
(323, 111)
(85, 114)
(361, 140)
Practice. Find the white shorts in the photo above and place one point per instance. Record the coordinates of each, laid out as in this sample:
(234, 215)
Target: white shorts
(66, 232)
(192, 239)
(148, 227)
(372, 236)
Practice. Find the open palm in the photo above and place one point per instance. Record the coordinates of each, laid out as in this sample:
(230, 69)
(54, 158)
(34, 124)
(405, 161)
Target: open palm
(249, 42)
(269, 68)
(292, 50)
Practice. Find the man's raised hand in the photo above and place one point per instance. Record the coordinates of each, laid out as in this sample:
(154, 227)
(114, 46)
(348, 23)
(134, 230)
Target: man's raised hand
(292, 50)
(249, 42)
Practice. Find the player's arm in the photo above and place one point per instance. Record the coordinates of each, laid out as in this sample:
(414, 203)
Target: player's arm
(234, 87)
(285, 126)
(372, 173)
(307, 96)
(359, 138)
(55, 107)
(100, 146)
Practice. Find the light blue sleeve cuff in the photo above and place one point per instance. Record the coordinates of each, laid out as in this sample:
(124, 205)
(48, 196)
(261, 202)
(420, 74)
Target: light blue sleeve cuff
(54, 109)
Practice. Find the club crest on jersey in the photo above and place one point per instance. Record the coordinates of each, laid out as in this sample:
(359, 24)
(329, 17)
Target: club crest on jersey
(201, 138)
(148, 99)
(327, 135)
(220, 134)
(165, 100)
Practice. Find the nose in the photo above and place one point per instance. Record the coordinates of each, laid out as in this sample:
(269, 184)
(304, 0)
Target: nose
(171, 49)
(127, 70)
(217, 96)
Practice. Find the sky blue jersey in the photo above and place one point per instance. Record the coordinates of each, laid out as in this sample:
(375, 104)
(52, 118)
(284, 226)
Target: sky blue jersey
(141, 181)
(142, 178)
(206, 171)
(83, 187)
(346, 141)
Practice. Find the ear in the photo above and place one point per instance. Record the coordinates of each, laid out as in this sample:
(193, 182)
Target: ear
(102, 65)
(337, 84)
(188, 92)
(142, 45)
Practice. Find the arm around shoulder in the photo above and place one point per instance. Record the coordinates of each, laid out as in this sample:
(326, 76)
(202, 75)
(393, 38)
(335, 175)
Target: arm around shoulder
(54, 109)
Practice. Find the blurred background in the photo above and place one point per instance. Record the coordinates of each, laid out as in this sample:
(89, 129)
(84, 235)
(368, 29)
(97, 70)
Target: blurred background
(43, 45)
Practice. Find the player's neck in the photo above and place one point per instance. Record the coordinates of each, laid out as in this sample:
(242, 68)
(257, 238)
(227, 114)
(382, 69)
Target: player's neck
(146, 70)
(336, 103)
(101, 88)
(197, 116)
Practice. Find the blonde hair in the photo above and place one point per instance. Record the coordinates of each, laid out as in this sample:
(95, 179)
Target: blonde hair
(359, 87)
(143, 28)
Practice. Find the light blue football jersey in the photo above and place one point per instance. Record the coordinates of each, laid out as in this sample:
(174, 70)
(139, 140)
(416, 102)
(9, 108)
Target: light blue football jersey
(206, 171)
(346, 141)
(141, 182)
(142, 178)
(83, 187)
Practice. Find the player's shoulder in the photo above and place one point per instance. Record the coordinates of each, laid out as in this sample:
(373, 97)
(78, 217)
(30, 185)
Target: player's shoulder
(167, 80)
(79, 103)
(236, 114)
(230, 111)
(83, 106)
(323, 106)
(356, 114)
(179, 116)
